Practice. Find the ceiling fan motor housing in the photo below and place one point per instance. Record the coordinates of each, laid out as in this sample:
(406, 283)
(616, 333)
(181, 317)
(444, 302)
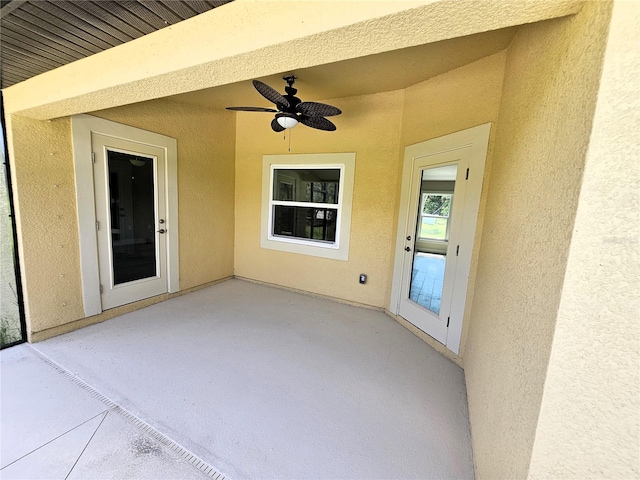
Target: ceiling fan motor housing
(293, 101)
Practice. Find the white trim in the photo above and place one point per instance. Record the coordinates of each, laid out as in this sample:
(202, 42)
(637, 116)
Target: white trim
(82, 126)
(171, 210)
(477, 139)
(338, 250)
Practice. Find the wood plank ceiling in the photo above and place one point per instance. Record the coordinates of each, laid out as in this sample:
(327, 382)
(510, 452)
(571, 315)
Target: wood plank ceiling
(40, 35)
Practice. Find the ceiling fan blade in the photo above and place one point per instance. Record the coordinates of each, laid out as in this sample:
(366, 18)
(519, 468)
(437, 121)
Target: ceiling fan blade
(315, 109)
(320, 123)
(252, 109)
(275, 126)
(271, 94)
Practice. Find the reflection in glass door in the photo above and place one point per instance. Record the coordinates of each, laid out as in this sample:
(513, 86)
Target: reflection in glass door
(433, 225)
(132, 215)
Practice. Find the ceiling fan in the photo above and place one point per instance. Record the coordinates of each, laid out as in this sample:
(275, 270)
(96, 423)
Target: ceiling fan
(291, 109)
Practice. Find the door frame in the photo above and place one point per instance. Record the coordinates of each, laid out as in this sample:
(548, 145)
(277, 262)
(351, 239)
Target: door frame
(477, 139)
(82, 126)
(434, 324)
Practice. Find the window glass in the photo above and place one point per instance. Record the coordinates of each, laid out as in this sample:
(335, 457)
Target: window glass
(305, 203)
(434, 213)
(313, 185)
(305, 222)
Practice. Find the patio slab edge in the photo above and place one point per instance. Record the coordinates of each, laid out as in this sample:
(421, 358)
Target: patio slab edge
(190, 457)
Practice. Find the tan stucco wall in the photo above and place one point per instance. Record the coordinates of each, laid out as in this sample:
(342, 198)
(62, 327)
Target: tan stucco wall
(44, 188)
(589, 424)
(44, 184)
(550, 87)
(460, 99)
(370, 127)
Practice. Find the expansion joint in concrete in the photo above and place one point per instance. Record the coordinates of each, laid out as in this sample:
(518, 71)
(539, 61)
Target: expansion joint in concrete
(114, 408)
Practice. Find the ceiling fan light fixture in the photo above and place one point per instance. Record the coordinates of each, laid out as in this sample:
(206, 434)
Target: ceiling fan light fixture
(286, 120)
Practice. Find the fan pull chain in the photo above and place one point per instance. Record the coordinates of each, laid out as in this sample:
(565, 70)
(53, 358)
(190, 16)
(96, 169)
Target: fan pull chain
(290, 139)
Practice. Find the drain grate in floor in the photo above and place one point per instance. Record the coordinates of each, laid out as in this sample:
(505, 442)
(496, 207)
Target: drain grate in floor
(141, 424)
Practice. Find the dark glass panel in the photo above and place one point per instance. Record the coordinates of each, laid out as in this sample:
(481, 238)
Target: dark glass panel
(132, 204)
(306, 185)
(305, 222)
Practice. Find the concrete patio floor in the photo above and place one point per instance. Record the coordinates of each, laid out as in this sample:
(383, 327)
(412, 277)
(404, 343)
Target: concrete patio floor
(254, 381)
(56, 427)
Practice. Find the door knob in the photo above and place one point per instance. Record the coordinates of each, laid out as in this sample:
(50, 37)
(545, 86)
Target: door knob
(407, 249)
(409, 238)
(161, 220)
(162, 230)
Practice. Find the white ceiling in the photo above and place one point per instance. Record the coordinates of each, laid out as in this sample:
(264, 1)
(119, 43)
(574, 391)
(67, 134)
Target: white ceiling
(364, 75)
(446, 173)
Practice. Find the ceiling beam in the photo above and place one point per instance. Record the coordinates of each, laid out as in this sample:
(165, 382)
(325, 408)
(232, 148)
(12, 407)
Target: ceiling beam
(245, 40)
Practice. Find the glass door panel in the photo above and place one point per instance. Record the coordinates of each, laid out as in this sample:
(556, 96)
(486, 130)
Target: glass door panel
(132, 200)
(435, 202)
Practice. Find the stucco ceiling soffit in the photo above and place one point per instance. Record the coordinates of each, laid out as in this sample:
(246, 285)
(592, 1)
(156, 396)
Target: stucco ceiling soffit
(182, 58)
(377, 73)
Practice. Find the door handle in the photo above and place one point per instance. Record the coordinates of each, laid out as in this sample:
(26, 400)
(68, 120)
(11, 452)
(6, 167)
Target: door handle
(407, 249)
(162, 230)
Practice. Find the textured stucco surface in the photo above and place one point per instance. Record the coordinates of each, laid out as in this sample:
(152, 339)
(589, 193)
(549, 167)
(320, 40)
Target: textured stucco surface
(370, 127)
(246, 39)
(591, 402)
(45, 188)
(457, 100)
(43, 173)
(551, 81)
(206, 151)
(460, 99)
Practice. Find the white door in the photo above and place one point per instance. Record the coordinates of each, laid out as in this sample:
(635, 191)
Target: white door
(130, 219)
(440, 200)
(432, 239)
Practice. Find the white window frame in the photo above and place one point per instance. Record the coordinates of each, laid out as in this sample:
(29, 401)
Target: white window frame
(422, 215)
(338, 250)
(289, 203)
